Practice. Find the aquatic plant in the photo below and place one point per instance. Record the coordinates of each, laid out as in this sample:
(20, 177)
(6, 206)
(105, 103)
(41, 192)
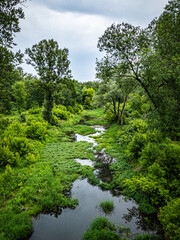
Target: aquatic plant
(107, 206)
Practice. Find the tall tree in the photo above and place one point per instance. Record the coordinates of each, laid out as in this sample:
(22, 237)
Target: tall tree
(125, 45)
(52, 65)
(161, 67)
(10, 13)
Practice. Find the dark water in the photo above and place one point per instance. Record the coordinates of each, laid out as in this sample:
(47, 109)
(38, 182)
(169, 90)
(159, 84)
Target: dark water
(71, 223)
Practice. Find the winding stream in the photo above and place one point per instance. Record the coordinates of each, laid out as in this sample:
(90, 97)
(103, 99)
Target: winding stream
(72, 223)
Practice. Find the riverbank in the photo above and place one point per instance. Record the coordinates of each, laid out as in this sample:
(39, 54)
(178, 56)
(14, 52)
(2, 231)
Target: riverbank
(41, 184)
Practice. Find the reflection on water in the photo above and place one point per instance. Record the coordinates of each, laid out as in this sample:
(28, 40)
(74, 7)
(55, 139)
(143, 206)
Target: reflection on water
(71, 223)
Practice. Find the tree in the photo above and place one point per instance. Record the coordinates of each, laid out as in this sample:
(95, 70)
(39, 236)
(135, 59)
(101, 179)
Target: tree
(115, 93)
(8, 75)
(10, 14)
(52, 65)
(161, 68)
(20, 94)
(88, 97)
(151, 57)
(9, 20)
(126, 45)
(114, 88)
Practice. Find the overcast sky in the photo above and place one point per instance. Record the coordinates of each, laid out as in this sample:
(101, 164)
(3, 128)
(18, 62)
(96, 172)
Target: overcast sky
(77, 25)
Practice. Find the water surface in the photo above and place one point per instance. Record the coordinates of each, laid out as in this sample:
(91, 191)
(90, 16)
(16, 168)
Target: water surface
(72, 223)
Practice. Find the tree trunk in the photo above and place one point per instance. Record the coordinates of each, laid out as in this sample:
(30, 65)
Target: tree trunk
(119, 102)
(115, 114)
(122, 112)
(48, 105)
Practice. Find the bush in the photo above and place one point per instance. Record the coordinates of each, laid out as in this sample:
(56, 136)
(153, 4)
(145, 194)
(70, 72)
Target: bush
(107, 206)
(8, 157)
(101, 229)
(139, 125)
(13, 148)
(18, 227)
(4, 122)
(55, 120)
(61, 112)
(36, 110)
(136, 146)
(37, 130)
(36, 118)
(78, 108)
(15, 129)
(169, 217)
(109, 116)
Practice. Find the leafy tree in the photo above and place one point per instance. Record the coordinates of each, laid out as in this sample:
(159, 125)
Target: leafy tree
(35, 91)
(20, 94)
(114, 89)
(126, 45)
(10, 13)
(52, 65)
(88, 97)
(8, 75)
(151, 57)
(161, 67)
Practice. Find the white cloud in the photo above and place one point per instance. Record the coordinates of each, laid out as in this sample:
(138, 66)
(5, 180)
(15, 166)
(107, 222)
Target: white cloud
(77, 25)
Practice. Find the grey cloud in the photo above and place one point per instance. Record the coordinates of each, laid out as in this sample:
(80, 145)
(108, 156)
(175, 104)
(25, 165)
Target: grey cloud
(139, 11)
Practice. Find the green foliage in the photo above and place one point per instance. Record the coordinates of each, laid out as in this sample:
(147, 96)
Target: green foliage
(101, 229)
(61, 112)
(4, 122)
(34, 110)
(107, 206)
(87, 97)
(52, 65)
(169, 217)
(136, 145)
(147, 237)
(37, 130)
(20, 95)
(15, 226)
(83, 129)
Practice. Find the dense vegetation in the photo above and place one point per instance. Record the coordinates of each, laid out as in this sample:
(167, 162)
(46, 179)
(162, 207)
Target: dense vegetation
(136, 98)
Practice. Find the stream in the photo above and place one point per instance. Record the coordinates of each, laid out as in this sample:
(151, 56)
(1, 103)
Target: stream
(72, 223)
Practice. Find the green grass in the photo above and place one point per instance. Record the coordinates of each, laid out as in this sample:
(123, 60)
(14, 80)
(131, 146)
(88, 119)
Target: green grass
(83, 129)
(94, 117)
(107, 206)
(40, 185)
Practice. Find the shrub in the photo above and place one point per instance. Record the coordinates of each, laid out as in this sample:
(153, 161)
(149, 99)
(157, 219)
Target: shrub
(169, 217)
(61, 112)
(107, 206)
(55, 120)
(4, 122)
(22, 117)
(78, 108)
(18, 227)
(109, 116)
(36, 118)
(139, 125)
(15, 129)
(136, 146)
(37, 130)
(70, 109)
(101, 229)
(36, 110)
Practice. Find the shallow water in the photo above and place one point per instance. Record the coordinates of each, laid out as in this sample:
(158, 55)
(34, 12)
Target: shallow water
(72, 223)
